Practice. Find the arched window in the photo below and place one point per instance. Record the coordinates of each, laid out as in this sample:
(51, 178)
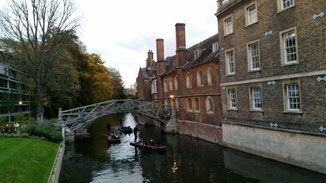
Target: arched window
(199, 78)
(188, 80)
(165, 85)
(177, 104)
(171, 84)
(166, 102)
(209, 76)
(176, 83)
(189, 104)
(197, 105)
(210, 105)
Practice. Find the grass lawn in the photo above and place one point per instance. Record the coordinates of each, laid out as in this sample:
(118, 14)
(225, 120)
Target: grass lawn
(25, 160)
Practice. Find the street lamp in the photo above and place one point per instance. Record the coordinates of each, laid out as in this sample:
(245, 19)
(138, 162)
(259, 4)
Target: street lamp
(172, 100)
(19, 106)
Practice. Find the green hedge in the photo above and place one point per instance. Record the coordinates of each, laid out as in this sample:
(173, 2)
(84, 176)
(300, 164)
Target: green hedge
(50, 133)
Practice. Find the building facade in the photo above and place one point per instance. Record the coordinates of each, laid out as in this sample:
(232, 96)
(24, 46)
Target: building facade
(15, 97)
(273, 79)
(188, 81)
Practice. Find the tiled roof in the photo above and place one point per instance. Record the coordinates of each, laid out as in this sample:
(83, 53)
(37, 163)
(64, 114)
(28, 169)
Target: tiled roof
(206, 55)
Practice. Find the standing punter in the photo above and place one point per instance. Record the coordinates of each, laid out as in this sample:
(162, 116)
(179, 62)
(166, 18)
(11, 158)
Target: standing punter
(136, 132)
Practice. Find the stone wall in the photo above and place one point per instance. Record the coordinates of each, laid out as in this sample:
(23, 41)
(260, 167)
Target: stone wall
(304, 150)
(211, 133)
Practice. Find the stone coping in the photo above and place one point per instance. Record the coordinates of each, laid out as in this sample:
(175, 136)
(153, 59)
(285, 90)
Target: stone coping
(276, 129)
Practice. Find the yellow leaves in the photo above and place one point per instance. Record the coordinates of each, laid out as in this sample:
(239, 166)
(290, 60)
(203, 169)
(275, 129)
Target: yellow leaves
(101, 78)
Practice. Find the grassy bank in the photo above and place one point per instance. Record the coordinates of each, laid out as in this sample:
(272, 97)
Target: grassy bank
(25, 160)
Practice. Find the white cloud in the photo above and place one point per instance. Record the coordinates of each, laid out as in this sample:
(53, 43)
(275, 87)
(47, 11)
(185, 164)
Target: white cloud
(122, 31)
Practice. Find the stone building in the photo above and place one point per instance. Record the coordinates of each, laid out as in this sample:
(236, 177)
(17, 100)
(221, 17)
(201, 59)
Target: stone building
(273, 79)
(145, 77)
(14, 94)
(189, 81)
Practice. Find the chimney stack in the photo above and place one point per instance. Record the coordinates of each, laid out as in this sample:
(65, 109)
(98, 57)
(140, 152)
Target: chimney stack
(149, 58)
(160, 55)
(160, 49)
(180, 36)
(181, 44)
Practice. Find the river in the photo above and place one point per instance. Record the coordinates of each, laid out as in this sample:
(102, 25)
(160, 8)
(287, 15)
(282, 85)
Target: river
(186, 160)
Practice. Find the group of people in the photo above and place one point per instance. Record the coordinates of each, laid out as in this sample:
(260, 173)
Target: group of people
(142, 142)
(136, 130)
(113, 135)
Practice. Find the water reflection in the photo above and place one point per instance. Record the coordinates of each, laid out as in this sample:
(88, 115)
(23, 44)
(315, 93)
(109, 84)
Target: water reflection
(185, 160)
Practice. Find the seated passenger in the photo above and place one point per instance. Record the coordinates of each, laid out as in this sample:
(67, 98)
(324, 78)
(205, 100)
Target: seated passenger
(151, 142)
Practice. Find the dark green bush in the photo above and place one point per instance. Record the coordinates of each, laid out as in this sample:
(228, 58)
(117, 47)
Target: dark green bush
(48, 132)
(19, 117)
(3, 120)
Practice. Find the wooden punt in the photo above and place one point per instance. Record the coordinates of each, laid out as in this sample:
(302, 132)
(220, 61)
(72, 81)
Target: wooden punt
(153, 147)
(111, 139)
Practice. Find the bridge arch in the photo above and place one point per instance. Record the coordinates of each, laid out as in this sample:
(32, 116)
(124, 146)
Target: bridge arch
(79, 118)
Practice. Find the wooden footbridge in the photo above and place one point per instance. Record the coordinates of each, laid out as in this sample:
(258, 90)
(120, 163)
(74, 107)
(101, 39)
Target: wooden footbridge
(78, 119)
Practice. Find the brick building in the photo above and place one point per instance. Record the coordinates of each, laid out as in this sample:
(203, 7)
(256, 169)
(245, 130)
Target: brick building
(273, 79)
(189, 80)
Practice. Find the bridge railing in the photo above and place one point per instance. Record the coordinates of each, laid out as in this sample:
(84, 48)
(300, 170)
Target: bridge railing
(80, 117)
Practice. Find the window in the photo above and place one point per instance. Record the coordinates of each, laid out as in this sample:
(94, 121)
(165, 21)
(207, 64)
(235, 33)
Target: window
(188, 80)
(292, 101)
(209, 76)
(197, 105)
(215, 47)
(253, 56)
(189, 105)
(287, 3)
(165, 85)
(177, 104)
(209, 105)
(232, 99)
(166, 102)
(3, 83)
(176, 83)
(171, 84)
(289, 46)
(256, 99)
(154, 86)
(196, 53)
(228, 26)
(230, 65)
(251, 16)
(199, 78)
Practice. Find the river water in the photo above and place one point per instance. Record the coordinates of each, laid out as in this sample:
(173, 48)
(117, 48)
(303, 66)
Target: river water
(186, 160)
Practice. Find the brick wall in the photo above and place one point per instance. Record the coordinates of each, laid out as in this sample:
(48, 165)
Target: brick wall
(311, 47)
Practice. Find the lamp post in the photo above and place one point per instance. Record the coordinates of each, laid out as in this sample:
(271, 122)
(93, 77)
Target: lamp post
(172, 100)
(20, 103)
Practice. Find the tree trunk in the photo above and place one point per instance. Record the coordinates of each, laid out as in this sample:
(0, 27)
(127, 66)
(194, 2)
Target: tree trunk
(40, 107)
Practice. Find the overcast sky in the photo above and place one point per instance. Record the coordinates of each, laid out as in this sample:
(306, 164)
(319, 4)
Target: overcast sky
(122, 31)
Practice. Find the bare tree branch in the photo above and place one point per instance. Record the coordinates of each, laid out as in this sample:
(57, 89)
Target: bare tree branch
(32, 29)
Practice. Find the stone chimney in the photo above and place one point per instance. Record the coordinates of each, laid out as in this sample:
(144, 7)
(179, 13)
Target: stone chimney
(160, 55)
(149, 58)
(180, 44)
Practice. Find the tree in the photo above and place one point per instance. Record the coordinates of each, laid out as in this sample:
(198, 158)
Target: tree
(33, 31)
(102, 88)
(117, 84)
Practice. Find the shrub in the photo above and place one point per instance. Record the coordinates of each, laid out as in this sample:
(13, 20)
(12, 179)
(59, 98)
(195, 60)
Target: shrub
(9, 129)
(3, 120)
(19, 117)
(48, 132)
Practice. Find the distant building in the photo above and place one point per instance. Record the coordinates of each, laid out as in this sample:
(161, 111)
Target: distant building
(14, 94)
(273, 78)
(189, 80)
